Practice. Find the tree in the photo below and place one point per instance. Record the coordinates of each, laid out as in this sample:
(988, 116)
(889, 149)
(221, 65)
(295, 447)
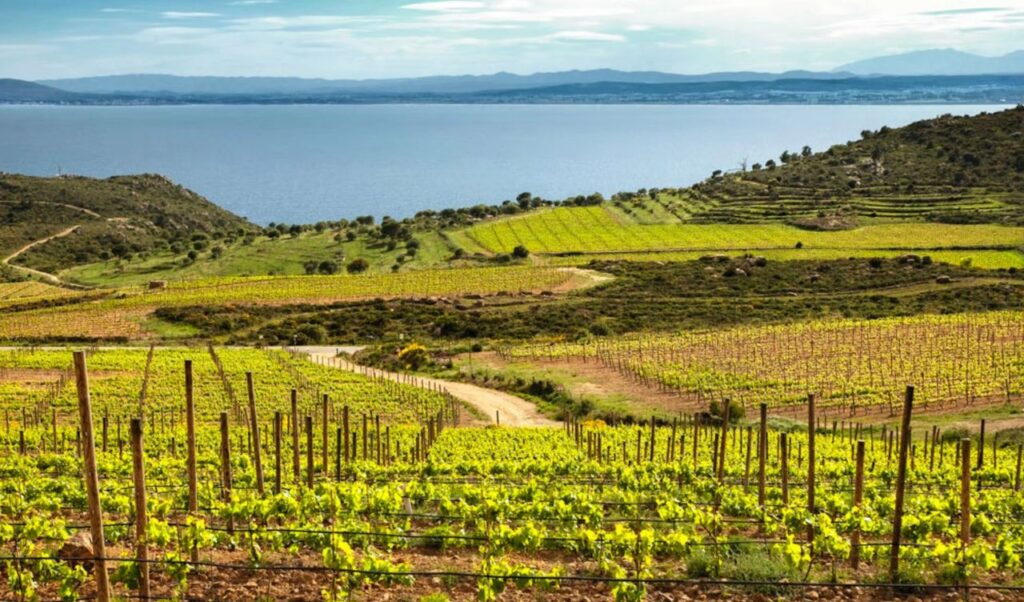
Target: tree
(520, 252)
(805, 151)
(327, 267)
(357, 266)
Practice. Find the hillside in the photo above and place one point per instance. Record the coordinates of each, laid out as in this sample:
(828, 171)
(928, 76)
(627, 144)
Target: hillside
(950, 169)
(16, 90)
(103, 219)
(937, 62)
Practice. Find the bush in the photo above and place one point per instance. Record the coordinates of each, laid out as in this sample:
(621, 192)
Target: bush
(357, 266)
(520, 252)
(413, 356)
(736, 410)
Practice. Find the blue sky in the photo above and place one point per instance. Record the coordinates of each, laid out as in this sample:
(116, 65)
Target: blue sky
(385, 38)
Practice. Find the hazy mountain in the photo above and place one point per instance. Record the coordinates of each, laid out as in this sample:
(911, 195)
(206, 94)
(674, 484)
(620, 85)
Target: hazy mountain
(16, 90)
(937, 62)
(151, 84)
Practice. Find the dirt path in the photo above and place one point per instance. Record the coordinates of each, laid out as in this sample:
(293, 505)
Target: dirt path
(31, 272)
(508, 409)
(88, 212)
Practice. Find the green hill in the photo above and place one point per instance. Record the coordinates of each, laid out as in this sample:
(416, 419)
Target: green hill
(948, 169)
(94, 220)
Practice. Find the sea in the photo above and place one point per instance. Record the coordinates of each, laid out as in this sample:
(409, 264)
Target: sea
(307, 163)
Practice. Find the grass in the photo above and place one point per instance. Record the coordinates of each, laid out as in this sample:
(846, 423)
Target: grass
(284, 256)
(597, 229)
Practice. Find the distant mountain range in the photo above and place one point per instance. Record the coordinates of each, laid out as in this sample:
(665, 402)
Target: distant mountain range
(937, 62)
(934, 76)
(155, 85)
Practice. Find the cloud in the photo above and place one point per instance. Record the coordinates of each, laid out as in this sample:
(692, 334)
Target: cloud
(586, 36)
(444, 6)
(964, 11)
(252, 2)
(299, 21)
(118, 10)
(174, 14)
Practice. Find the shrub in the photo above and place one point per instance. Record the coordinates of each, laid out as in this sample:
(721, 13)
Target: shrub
(357, 266)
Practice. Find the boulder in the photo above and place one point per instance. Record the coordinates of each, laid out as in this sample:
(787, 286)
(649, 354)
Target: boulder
(78, 550)
(943, 280)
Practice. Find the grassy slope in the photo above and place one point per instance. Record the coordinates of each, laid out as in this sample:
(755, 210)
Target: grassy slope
(118, 216)
(276, 257)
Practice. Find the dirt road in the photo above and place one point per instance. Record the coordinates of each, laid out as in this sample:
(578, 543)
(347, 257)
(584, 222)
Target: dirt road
(43, 275)
(495, 405)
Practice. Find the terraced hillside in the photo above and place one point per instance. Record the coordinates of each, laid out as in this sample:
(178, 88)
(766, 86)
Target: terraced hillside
(605, 229)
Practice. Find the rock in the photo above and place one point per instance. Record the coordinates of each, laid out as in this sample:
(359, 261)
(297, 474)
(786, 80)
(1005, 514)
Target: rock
(815, 277)
(943, 280)
(78, 550)
(157, 284)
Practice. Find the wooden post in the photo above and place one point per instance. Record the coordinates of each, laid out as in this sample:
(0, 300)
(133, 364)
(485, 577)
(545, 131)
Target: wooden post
(858, 499)
(141, 520)
(981, 446)
(344, 428)
(278, 425)
(965, 493)
(784, 466)
(190, 434)
(365, 443)
(225, 464)
(651, 451)
(325, 452)
(92, 482)
(337, 455)
(810, 463)
(309, 451)
(762, 448)
(1016, 480)
(746, 470)
(901, 483)
(254, 429)
(721, 443)
(295, 436)
(377, 440)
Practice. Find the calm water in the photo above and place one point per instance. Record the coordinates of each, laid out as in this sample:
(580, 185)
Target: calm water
(308, 163)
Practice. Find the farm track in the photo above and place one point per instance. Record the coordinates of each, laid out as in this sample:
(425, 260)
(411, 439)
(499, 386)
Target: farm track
(51, 278)
(494, 405)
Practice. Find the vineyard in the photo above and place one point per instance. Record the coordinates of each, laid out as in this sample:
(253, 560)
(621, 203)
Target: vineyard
(979, 258)
(348, 488)
(856, 367)
(598, 229)
(122, 314)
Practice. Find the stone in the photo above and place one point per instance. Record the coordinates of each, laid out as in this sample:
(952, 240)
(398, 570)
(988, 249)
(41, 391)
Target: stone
(78, 550)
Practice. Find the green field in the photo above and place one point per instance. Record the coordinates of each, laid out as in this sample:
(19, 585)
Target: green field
(597, 229)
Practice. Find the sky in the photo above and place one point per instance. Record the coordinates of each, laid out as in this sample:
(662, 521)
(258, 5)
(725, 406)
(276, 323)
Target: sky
(41, 39)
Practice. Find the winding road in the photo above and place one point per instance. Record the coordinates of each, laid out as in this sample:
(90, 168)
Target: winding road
(51, 278)
(495, 405)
